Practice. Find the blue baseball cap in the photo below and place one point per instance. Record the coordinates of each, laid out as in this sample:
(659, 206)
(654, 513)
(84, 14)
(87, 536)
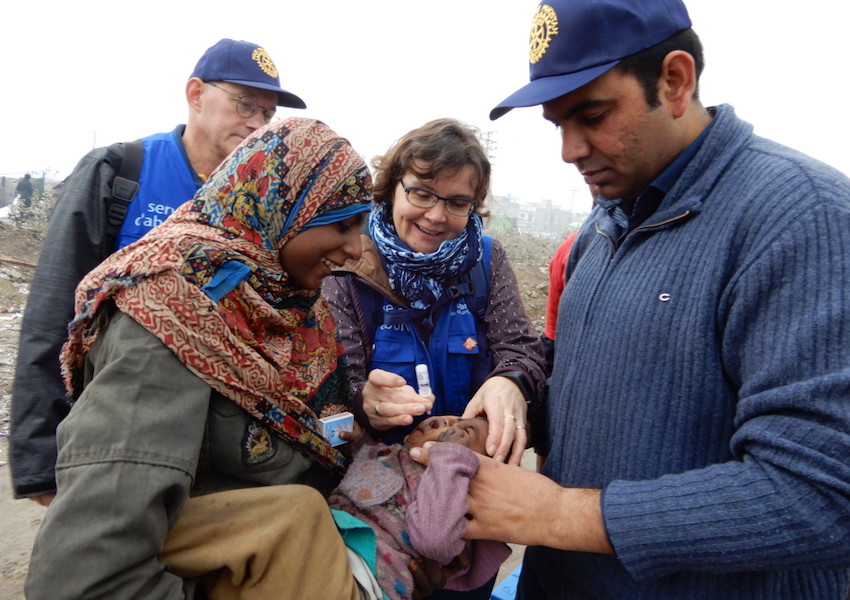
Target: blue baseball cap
(245, 63)
(572, 42)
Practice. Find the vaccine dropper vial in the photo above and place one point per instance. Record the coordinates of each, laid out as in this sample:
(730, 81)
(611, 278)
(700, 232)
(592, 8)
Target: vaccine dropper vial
(422, 380)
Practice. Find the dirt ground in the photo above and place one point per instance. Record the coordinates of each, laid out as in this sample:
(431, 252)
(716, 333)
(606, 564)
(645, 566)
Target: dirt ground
(19, 519)
(19, 249)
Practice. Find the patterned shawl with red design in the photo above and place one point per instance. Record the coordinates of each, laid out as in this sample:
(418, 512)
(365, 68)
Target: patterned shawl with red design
(209, 284)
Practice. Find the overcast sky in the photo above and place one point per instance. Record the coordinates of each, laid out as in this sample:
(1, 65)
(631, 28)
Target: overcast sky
(93, 72)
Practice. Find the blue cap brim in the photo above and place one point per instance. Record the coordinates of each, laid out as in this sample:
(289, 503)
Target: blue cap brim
(284, 98)
(548, 88)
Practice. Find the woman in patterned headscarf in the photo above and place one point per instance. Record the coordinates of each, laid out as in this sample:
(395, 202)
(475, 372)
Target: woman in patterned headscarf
(200, 359)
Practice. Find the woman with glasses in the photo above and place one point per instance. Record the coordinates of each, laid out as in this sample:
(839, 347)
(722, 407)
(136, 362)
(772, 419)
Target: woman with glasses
(431, 289)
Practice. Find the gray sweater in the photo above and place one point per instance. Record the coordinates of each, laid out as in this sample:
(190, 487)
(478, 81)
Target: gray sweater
(702, 379)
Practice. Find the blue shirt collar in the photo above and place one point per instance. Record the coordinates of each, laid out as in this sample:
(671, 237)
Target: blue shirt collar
(669, 176)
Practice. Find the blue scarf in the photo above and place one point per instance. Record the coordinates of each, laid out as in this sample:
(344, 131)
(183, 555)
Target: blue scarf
(418, 277)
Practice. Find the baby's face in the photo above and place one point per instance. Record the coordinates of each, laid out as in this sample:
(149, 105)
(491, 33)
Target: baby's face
(471, 433)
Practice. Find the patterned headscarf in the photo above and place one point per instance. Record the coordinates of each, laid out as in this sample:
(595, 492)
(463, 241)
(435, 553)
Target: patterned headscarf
(209, 284)
(418, 277)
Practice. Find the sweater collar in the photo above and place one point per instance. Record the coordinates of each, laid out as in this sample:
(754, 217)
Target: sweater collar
(686, 182)
(625, 215)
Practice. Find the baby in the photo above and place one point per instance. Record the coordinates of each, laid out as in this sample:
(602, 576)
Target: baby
(414, 511)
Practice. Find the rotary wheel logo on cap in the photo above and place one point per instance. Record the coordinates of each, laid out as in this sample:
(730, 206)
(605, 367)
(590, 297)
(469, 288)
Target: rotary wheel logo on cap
(265, 62)
(544, 27)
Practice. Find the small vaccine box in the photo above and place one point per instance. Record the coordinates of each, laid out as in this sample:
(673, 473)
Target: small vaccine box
(330, 427)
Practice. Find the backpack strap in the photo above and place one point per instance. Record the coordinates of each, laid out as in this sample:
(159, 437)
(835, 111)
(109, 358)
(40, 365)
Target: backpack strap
(481, 279)
(476, 287)
(124, 186)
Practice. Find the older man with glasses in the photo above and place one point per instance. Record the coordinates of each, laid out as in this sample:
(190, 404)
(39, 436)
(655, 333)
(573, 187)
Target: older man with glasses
(233, 91)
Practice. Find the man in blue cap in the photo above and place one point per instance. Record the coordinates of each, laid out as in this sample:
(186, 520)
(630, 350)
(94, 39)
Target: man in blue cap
(233, 90)
(699, 408)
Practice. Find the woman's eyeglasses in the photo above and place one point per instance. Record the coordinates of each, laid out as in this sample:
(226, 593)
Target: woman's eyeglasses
(459, 207)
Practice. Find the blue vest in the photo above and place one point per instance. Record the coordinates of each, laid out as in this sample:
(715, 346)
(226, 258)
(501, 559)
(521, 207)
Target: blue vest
(456, 353)
(166, 181)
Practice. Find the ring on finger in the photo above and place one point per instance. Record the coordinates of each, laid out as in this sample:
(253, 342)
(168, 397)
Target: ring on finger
(378, 409)
(520, 426)
(507, 416)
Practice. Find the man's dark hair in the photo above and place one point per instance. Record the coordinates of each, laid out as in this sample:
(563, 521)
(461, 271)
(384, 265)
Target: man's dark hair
(646, 64)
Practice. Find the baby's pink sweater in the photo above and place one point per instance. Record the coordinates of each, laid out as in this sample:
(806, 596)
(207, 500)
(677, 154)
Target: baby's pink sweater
(416, 513)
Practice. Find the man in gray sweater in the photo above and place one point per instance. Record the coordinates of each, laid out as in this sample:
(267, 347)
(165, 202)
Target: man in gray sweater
(699, 408)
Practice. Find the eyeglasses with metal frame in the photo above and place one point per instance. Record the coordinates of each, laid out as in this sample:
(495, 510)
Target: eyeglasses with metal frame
(459, 207)
(246, 106)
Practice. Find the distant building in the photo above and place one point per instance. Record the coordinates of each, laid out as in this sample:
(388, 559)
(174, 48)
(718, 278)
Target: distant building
(504, 205)
(542, 218)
